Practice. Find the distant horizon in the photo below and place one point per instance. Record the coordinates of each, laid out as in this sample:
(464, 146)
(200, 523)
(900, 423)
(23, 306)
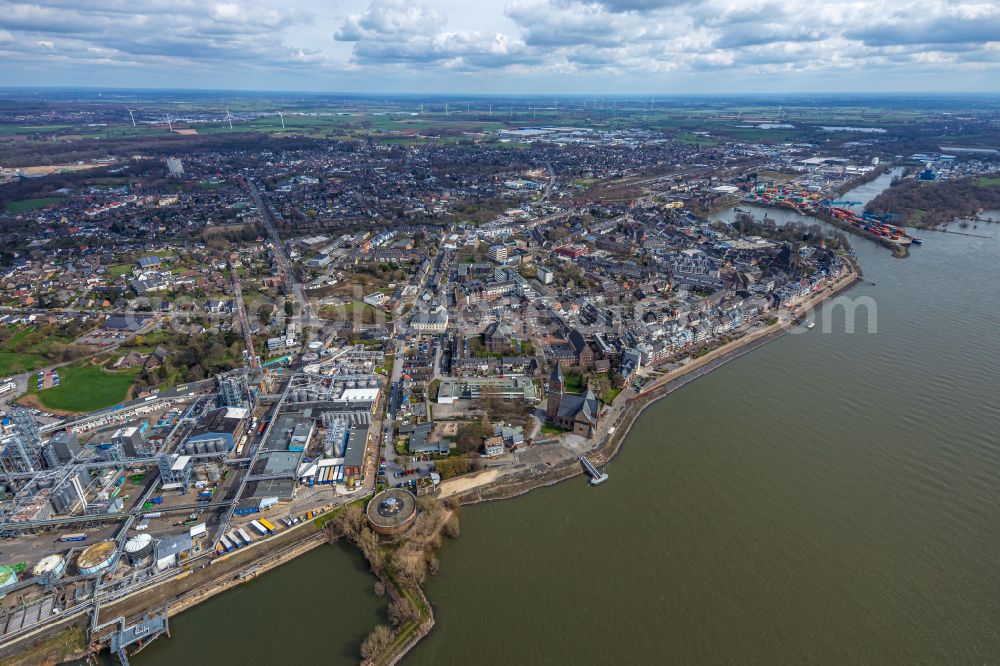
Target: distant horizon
(459, 93)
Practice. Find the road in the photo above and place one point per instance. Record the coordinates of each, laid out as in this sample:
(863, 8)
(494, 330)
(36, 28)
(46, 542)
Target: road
(241, 312)
(393, 472)
(292, 288)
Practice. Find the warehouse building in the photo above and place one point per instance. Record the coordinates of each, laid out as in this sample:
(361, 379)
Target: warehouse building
(226, 425)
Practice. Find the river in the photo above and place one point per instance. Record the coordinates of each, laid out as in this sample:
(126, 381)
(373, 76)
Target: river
(830, 498)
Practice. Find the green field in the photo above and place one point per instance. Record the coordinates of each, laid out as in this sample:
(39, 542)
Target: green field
(988, 182)
(84, 388)
(116, 270)
(697, 139)
(13, 363)
(31, 204)
(15, 358)
(6, 130)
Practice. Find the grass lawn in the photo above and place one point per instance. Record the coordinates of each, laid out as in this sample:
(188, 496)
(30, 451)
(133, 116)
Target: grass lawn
(574, 383)
(988, 182)
(84, 388)
(549, 429)
(13, 363)
(117, 270)
(31, 204)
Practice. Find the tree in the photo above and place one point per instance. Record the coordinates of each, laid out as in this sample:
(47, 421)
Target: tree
(376, 642)
(349, 522)
(410, 564)
(402, 612)
(488, 397)
(369, 545)
(452, 528)
(469, 438)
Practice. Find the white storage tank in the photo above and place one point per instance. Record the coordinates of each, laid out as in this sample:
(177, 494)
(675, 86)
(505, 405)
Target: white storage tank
(50, 568)
(138, 547)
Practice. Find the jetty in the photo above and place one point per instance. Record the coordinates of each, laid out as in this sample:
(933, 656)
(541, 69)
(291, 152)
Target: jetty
(596, 476)
(137, 636)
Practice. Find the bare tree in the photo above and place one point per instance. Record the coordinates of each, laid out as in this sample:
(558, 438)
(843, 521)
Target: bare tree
(402, 612)
(376, 642)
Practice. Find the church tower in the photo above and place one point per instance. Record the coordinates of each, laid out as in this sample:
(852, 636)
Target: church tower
(556, 391)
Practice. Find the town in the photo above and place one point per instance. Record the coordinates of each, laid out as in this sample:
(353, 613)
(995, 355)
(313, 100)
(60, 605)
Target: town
(213, 343)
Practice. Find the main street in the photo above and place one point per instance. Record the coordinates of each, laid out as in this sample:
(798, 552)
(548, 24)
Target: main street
(393, 471)
(292, 288)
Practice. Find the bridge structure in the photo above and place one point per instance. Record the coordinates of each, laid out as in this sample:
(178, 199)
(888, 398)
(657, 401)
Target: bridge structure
(596, 476)
(138, 635)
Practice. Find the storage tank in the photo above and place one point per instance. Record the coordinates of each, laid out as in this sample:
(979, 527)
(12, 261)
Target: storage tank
(213, 473)
(96, 558)
(315, 345)
(50, 568)
(138, 547)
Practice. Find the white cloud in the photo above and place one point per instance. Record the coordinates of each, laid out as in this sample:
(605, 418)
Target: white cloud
(529, 40)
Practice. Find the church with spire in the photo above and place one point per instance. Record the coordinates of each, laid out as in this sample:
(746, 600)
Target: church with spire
(577, 413)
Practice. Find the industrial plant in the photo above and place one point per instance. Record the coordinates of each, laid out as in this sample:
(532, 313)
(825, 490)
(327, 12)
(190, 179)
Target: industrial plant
(100, 506)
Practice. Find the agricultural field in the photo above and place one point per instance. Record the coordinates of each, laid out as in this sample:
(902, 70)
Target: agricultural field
(7, 130)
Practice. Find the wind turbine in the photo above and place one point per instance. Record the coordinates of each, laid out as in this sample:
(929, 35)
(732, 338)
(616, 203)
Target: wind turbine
(446, 108)
(130, 115)
(229, 117)
(421, 108)
(170, 123)
(281, 114)
(491, 110)
(467, 109)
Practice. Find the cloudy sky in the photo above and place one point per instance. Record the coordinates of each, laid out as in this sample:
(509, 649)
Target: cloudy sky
(505, 46)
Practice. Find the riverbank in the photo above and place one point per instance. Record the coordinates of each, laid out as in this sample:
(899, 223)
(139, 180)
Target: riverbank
(177, 593)
(620, 416)
(898, 250)
(400, 564)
